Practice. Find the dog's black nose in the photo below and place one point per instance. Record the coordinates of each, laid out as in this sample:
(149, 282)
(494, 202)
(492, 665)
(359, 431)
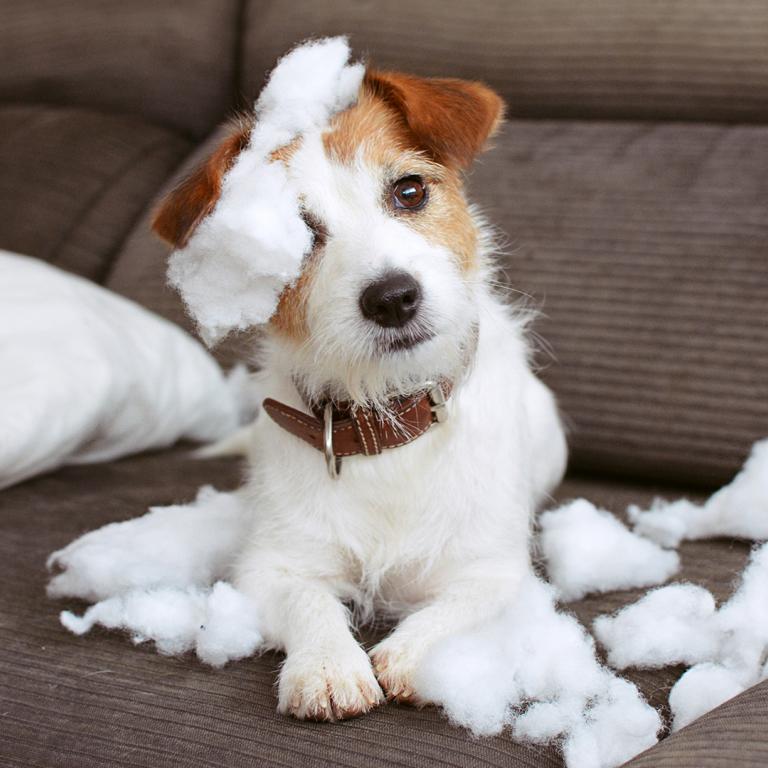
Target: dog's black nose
(392, 300)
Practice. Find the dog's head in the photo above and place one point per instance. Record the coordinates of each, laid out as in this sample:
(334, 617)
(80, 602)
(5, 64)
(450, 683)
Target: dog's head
(387, 298)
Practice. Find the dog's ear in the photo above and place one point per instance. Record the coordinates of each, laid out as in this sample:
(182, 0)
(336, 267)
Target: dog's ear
(449, 119)
(179, 213)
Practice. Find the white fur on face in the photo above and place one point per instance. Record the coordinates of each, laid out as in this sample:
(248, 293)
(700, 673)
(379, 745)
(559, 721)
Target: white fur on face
(345, 354)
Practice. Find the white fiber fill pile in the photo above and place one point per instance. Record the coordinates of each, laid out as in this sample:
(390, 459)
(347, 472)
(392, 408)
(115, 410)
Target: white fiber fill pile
(740, 509)
(679, 624)
(701, 689)
(670, 625)
(187, 545)
(535, 670)
(241, 256)
(154, 577)
(589, 550)
(219, 624)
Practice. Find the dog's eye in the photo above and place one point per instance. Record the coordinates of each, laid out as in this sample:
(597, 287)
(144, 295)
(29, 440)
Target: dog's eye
(410, 193)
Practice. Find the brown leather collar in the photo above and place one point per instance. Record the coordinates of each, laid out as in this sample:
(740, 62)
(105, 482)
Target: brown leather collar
(339, 430)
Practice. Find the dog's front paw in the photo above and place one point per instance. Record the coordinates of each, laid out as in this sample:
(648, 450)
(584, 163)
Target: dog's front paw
(325, 686)
(395, 662)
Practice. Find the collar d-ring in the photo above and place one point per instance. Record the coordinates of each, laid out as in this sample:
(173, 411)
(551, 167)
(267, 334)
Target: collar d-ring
(332, 462)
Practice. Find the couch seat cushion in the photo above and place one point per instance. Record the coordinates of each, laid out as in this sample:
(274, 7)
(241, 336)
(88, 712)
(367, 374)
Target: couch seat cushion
(73, 181)
(96, 700)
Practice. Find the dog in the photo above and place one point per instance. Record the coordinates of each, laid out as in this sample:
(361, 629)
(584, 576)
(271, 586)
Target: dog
(405, 441)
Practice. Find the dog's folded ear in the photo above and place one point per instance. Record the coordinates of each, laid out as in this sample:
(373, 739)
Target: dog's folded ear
(449, 119)
(181, 210)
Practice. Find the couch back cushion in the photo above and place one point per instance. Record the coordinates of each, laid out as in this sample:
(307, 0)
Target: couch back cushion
(73, 181)
(655, 59)
(645, 248)
(170, 63)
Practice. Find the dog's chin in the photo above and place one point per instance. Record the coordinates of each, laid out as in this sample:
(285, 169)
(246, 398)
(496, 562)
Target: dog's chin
(382, 365)
(396, 344)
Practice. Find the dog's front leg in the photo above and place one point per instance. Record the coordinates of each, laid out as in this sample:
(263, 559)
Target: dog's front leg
(474, 594)
(326, 674)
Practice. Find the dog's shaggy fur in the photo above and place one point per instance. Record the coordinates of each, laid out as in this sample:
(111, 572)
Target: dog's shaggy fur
(434, 533)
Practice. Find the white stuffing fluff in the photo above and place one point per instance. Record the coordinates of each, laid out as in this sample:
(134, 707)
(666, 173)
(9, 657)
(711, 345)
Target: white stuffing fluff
(617, 725)
(187, 545)
(743, 620)
(678, 624)
(701, 689)
(535, 670)
(670, 625)
(230, 629)
(740, 509)
(589, 550)
(241, 256)
(152, 577)
(219, 624)
(741, 633)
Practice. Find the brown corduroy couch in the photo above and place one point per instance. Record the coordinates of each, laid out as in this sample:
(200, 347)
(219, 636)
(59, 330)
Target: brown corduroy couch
(632, 182)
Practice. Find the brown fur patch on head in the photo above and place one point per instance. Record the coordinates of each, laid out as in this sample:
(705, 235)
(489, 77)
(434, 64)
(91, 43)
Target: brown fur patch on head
(450, 119)
(381, 129)
(290, 317)
(369, 126)
(182, 210)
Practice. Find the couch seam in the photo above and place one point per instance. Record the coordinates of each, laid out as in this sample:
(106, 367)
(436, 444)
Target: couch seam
(238, 98)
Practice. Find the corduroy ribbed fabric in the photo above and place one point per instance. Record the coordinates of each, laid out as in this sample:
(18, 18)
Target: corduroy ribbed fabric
(73, 182)
(645, 247)
(170, 63)
(651, 59)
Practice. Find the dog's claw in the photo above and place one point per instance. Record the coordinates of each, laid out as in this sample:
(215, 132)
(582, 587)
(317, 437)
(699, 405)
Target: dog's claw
(394, 671)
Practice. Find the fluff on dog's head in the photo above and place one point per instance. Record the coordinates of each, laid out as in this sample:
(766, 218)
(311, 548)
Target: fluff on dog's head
(367, 199)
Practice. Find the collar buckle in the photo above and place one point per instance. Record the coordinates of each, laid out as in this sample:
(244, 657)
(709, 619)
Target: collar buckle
(437, 402)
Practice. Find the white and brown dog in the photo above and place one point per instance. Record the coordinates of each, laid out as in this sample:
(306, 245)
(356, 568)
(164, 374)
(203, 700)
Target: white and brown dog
(405, 442)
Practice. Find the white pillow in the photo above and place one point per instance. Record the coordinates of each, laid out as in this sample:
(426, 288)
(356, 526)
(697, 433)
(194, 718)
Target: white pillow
(88, 376)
